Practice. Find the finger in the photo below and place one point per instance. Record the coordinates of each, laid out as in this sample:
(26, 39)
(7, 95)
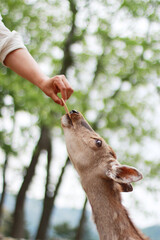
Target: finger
(69, 92)
(69, 89)
(60, 86)
(56, 99)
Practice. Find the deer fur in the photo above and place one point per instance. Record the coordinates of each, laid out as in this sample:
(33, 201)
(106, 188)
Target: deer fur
(102, 177)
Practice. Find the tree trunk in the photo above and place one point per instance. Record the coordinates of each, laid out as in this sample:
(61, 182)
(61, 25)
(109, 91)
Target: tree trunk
(3, 188)
(48, 205)
(79, 231)
(18, 217)
(68, 58)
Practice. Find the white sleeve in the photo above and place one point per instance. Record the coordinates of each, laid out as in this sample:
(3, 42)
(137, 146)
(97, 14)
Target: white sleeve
(9, 41)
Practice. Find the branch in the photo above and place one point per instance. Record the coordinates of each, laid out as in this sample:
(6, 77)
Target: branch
(68, 58)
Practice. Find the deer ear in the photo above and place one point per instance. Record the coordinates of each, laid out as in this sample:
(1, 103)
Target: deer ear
(124, 174)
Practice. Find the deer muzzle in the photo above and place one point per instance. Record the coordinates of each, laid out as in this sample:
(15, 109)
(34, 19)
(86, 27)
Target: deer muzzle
(67, 119)
(76, 120)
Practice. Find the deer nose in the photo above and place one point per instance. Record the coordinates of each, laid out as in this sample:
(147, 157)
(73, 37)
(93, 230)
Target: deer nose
(74, 111)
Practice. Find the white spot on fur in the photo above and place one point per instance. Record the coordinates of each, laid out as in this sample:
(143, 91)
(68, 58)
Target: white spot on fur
(110, 174)
(122, 227)
(114, 237)
(115, 216)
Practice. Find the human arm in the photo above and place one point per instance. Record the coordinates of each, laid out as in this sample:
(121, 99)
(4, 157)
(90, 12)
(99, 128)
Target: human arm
(14, 55)
(21, 62)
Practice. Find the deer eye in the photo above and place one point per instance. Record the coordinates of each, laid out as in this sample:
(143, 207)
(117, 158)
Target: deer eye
(98, 143)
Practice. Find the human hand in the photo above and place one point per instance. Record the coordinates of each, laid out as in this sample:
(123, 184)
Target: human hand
(57, 84)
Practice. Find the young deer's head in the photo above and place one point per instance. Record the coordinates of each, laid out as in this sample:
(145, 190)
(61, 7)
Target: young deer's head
(91, 155)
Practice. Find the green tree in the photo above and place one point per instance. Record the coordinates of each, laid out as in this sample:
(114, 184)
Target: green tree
(80, 228)
(64, 230)
(49, 202)
(111, 58)
(44, 143)
(67, 62)
(29, 15)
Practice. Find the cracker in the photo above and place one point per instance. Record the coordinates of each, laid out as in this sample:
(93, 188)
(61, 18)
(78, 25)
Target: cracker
(65, 107)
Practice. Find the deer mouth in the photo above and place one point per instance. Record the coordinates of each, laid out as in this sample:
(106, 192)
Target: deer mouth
(67, 120)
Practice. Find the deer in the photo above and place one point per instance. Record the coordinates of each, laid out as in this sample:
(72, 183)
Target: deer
(102, 177)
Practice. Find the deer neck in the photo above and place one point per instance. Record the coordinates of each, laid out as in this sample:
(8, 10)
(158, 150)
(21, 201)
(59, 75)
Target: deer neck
(110, 216)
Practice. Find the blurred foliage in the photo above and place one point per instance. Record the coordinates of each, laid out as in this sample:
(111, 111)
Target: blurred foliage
(115, 72)
(7, 223)
(64, 230)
